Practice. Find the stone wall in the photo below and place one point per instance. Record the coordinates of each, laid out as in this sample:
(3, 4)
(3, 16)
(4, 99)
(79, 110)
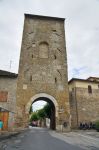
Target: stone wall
(84, 106)
(87, 104)
(8, 85)
(73, 108)
(43, 63)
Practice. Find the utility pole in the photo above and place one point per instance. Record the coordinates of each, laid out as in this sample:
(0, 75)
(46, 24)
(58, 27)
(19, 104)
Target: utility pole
(10, 64)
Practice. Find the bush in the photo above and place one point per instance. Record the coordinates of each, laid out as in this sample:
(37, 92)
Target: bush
(34, 117)
(97, 125)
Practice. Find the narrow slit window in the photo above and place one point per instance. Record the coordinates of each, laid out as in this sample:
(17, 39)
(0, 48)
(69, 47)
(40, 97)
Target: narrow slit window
(55, 56)
(55, 80)
(31, 78)
(89, 89)
(32, 55)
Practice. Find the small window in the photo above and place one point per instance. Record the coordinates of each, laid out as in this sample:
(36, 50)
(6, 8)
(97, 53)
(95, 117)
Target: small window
(3, 96)
(54, 30)
(55, 80)
(32, 55)
(31, 78)
(89, 89)
(72, 89)
(55, 56)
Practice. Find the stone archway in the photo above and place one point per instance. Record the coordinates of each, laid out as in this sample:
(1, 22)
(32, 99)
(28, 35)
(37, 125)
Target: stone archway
(51, 100)
(45, 96)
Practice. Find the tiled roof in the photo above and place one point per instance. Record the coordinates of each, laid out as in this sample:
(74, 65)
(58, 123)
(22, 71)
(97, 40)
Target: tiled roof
(8, 74)
(83, 80)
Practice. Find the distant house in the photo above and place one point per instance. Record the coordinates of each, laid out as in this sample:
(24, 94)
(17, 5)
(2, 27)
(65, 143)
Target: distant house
(7, 98)
(84, 100)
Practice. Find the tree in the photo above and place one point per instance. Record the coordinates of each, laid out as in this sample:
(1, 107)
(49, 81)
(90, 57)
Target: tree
(47, 110)
(34, 117)
(41, 113)
(31, 110)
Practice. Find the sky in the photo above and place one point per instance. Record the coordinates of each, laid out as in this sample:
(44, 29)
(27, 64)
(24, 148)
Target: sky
(81, 27)
(38, 105)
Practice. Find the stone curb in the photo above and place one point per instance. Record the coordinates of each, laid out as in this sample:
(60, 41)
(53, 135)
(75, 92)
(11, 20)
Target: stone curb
(7, 136)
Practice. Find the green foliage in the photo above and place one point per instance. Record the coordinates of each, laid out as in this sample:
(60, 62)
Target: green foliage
(45, 112)
(41, 114)
(31, 110)
(47, 109)
(97, 125)
(34, 117)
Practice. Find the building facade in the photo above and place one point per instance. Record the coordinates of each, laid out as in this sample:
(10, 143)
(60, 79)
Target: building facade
(84, 100)
(7, 98)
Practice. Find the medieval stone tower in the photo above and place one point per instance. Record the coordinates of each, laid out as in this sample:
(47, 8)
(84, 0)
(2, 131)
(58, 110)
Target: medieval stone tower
(43, 69)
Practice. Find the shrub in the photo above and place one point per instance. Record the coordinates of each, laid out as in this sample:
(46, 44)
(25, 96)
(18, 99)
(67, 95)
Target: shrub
(97, 125)
(34, 117)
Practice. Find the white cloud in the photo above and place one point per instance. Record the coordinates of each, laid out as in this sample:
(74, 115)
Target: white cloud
(82, 32)
(38, 105)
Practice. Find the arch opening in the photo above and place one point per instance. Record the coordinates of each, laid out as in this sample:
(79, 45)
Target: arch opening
(51, 101)
(50, 118)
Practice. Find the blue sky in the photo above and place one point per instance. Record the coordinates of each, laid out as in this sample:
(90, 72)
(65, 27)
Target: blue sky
(81, 26)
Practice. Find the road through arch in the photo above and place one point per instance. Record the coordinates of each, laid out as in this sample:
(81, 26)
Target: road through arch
(53, 103)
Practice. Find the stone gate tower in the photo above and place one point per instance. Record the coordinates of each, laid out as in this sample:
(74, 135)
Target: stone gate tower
(43, 68)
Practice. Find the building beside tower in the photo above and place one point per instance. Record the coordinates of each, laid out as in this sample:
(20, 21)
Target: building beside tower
(8, 84)
(84, 100)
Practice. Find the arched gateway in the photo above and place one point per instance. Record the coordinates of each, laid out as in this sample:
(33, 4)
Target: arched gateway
(43, 70)
(51, 100)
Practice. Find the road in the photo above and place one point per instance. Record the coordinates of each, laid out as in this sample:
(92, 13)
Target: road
(43, 139)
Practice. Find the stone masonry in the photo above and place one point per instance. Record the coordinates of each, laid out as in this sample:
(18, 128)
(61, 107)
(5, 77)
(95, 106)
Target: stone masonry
(84, 104)
(43, 67)
(8, 83)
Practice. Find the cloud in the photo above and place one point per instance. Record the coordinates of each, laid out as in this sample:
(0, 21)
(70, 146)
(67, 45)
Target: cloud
(76, 72)
(38, 105)
(82, 32)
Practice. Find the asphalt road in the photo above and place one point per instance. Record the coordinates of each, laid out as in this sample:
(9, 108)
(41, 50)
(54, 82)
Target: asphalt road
(40, 139)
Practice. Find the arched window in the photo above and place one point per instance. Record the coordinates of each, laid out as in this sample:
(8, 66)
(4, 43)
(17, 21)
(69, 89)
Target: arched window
(89, 89)
(43, 50)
